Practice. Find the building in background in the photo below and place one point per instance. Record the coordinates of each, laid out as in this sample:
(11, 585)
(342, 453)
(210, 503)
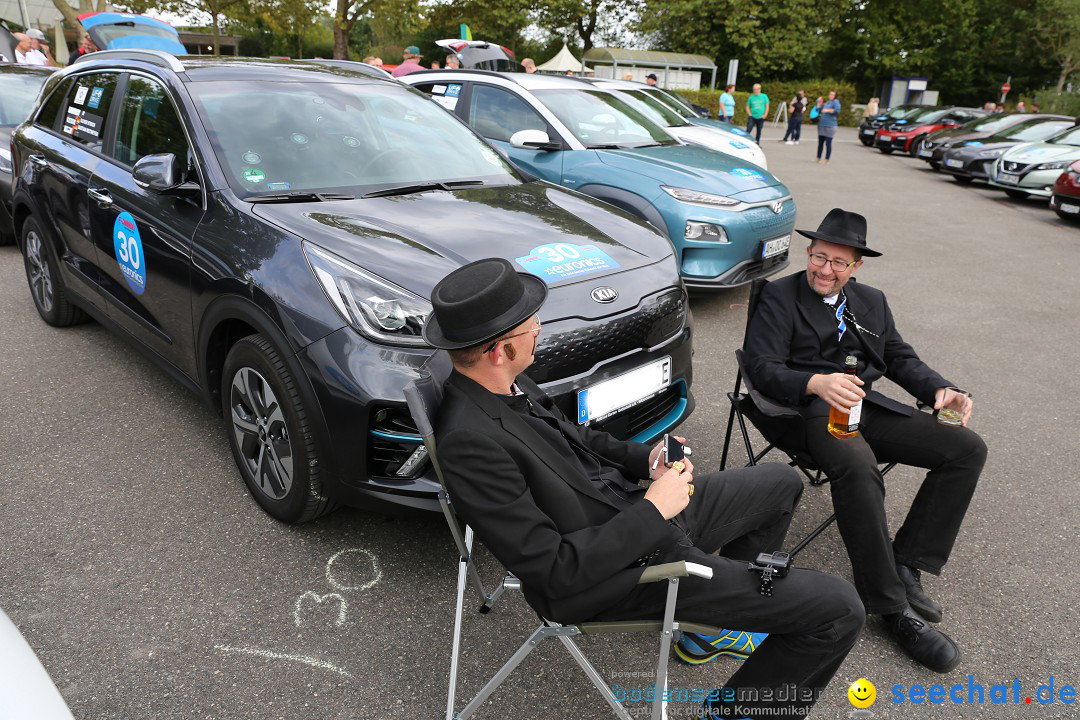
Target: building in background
(674, 71)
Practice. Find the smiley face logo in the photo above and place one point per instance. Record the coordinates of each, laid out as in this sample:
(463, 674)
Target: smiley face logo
(862, 693)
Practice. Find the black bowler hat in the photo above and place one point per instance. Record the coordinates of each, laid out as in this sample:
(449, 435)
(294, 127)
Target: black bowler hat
(479, 302)
(841, 227)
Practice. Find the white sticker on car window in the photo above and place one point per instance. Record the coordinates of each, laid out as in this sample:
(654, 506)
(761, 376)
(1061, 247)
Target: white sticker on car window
(447, 102)
(80, 95)
(439, 89)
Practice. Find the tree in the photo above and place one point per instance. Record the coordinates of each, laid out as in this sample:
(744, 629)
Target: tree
(1058, 32)
(71, 16)
(393, 17)
(589, 18)
(218, 10)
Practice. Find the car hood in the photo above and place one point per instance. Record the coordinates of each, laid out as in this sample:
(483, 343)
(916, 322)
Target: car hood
(952, 137)
(1042, 153)
(720, 140)
(968, 150)
(415, 240)
(697, 168)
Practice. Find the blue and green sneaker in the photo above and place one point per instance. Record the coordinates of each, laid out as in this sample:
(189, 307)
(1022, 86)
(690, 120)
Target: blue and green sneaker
(697, 649)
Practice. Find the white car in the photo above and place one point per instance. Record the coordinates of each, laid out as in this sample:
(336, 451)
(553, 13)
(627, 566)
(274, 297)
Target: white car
(713, 138)
(26, 691)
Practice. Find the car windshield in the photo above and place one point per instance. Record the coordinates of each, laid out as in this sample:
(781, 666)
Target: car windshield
(991, 123)
(672, 101)
(655, 110)
(110, 33)
(901, 111)
(1069, 137)
(926, 115)
(1030, 131)
(600, 119)
(343, 137)
(17, 93)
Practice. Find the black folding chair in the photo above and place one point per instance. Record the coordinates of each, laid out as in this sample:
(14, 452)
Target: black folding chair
(424, 395)
(763, 412)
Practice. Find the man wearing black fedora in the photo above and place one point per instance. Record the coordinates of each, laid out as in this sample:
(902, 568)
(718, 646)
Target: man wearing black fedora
(804, 327)
(560, 505)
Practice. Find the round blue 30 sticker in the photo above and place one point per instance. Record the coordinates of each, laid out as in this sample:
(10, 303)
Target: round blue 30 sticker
(129, 252)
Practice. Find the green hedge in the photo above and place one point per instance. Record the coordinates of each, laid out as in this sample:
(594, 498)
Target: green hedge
(782, 92)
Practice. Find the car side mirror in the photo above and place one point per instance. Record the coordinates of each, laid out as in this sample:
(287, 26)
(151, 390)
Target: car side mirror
(161, 174)
(533, 140)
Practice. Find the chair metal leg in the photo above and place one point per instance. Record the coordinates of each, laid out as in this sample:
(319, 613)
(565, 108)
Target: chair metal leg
(727, 434)
(594, 675)
(659, 709)
(746, 440)
(462, 579)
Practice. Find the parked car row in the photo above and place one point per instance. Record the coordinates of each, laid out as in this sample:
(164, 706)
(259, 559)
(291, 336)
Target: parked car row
(1023, 155)
(269, 233)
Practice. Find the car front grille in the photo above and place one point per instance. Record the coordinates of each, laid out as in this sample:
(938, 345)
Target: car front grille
(766, 223)
(639, 418)
(564, 352)
(392, 438)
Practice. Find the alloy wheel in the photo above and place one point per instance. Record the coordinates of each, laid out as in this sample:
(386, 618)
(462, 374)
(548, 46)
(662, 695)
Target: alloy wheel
(261, 433)
(41, 283)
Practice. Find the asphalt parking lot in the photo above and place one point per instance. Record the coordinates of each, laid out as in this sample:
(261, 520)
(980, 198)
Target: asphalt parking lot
(151, 585)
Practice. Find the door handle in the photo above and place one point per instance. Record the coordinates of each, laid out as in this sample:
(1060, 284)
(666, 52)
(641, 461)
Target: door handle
(103, 199)
(38, 161)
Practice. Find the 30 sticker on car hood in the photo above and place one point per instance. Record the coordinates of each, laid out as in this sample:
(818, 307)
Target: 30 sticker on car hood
(558, 261)
(129, 252)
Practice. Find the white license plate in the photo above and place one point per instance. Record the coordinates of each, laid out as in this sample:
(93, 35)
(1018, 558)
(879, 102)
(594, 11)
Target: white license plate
(868, 131)
(1008, 178)
(1071, 209)
(954, 163)
(926, 153)
(775, 247)
(619, 393)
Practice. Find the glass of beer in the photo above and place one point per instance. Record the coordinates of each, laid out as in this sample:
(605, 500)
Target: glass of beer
(952, 413)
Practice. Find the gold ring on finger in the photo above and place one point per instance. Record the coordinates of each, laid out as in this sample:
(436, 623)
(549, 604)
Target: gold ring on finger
(690, 489)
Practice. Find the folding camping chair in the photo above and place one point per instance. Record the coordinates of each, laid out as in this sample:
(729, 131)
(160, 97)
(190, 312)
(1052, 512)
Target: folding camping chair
(424, 395)
(761, 411)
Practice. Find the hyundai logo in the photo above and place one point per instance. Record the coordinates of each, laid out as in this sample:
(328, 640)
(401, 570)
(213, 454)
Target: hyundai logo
(604, 294)
(777, 207)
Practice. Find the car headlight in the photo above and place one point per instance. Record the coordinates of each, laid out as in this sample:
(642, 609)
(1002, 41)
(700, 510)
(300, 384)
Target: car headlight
(1053, 165)
(377, 308)
(5, 160)
(705, 231)
(990, 153)
(698, 198)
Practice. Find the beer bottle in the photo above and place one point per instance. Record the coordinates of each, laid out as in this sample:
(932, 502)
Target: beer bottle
(846, 425)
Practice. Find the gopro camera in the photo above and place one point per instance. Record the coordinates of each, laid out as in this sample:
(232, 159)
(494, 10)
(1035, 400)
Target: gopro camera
(770, 565)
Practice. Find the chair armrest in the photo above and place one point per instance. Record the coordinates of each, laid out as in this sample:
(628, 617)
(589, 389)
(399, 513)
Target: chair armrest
(766, 406)
(656, 573)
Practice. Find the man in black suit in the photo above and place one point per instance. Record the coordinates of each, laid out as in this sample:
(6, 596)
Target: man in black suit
(560, 506)
(804, 327)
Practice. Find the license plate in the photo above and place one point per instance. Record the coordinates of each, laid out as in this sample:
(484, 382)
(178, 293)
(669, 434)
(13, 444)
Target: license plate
(926, 153)
(775, 247)
(868, 131)
(1071, 209)
(619, 393)
(1008, 178)
(954, 163)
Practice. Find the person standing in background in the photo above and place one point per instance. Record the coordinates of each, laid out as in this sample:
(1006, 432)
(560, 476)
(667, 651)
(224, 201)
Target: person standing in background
(452, 62)
(727, 104)
(410, 62)
(1021, 107)
(830, 113)
(872, 108)
(795, 117)
(651, 79)
(528, 65)
(757, 107)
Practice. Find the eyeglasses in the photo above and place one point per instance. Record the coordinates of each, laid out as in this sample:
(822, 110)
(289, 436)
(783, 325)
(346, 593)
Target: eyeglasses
(819, 260)
(533, 331)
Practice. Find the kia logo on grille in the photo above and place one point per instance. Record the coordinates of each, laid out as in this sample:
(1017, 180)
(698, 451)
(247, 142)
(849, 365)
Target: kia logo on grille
(777, 207)
(604, 294)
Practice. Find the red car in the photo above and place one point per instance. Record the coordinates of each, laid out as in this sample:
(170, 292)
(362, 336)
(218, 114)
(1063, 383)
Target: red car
(1065, 199)
(907, 133)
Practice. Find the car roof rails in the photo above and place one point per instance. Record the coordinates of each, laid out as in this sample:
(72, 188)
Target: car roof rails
(154, 57)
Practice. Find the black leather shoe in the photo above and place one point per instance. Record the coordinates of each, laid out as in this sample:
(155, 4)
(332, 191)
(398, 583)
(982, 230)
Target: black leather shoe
(916, 596)
(926, 646)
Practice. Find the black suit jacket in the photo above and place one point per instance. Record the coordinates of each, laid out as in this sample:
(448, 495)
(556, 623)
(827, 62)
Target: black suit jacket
(573, 550)
(793, 335)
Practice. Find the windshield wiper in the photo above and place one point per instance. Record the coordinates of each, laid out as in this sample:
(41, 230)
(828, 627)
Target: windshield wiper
(300, 197)
(603, 147)
(422, 187)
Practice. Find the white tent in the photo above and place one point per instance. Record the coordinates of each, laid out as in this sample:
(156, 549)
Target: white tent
(562, 62)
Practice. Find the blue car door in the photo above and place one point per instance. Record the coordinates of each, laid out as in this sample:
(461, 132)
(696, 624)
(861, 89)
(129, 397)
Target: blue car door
(497, 113)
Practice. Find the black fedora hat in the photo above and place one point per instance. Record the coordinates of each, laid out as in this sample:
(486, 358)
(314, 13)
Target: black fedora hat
(479, 302)
(841, 227)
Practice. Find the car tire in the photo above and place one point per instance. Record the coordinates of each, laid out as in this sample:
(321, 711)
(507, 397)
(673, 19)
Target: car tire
(268, 429)
(963, 179)
(935, 166)
(1016, 194)
(913, 146)
(1066, 216)
(43, 277)
(867, 143)
(886, 151)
